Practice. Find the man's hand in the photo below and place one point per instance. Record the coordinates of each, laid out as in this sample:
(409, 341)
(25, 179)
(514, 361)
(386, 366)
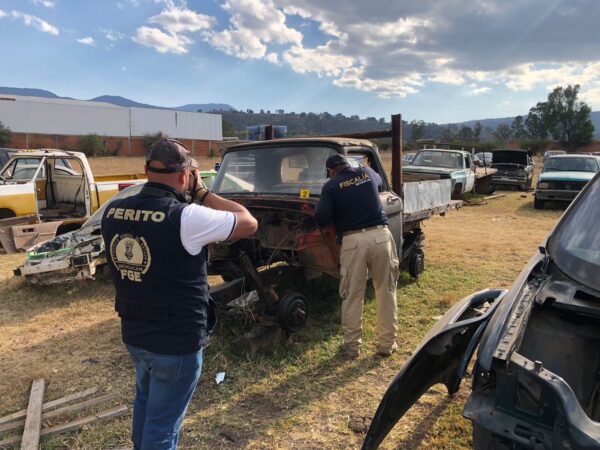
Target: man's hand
(195, 182)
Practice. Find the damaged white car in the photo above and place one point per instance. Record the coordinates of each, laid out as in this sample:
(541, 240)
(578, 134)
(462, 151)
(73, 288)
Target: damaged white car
(72, 256)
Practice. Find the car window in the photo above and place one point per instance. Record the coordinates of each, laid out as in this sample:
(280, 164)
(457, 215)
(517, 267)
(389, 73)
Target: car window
(22, 170)
(432, 158)
(570, 164)
(285, 170)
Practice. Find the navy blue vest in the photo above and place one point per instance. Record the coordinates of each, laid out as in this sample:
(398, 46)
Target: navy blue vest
(161, 290)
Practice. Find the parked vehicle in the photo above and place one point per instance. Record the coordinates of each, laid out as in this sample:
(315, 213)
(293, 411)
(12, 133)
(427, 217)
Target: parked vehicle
(282, 191)
(535, 381)
(407, 157)
(514, 168)
(549, 153)
(456, 165)
(563, 177)
(42, 191)
(485, 158)
(78, 254)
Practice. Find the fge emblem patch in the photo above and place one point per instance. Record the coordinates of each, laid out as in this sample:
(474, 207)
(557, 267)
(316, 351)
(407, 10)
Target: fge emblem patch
(131, 256)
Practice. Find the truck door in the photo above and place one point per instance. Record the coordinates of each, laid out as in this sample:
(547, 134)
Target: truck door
(469, 173)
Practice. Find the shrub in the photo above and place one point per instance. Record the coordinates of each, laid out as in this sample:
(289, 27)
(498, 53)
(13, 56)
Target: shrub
(92, 145)
(4, 135)
(150, 139)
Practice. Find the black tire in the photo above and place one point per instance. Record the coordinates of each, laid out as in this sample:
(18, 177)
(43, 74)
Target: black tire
(538, 204)
(457, 189)
(416, 264)
(292, 311)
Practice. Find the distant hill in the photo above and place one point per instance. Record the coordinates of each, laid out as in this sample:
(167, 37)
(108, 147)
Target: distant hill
(298, 124)
(29, 92)
(118, 101)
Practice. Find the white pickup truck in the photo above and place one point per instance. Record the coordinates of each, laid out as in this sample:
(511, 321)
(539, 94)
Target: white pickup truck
(46, 191)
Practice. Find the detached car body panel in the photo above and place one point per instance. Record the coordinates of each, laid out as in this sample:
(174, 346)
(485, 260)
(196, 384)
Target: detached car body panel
(514, 168)
(76, 255)
(563, 177)
(536, 380)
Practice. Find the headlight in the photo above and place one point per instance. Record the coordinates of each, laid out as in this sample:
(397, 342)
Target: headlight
(543, 185)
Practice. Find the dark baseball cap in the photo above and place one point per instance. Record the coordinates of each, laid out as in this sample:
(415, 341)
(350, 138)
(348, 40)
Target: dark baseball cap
(336, 160)
(171, 153)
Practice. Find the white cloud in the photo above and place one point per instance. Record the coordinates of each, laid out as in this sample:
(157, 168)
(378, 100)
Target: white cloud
(46, 3)
(112, 35)
(179, 19)
(254, 25)
(322, 60)
(120, 5)
(480, 90)
(162, 42)
(87, 41)
(176, 23)
(2, 13)
(272, 58)
(36, 22)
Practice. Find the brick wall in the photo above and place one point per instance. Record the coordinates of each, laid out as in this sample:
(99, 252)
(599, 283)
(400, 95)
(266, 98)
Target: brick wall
(123, 146)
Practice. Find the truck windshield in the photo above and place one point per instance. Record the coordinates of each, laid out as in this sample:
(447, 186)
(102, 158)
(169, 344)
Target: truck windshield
(273, 170)
(432, 158)
(570, 164)
(575, 244)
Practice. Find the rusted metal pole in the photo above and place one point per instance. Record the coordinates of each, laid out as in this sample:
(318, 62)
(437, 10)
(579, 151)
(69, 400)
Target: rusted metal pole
(269, 133)
(397, 154)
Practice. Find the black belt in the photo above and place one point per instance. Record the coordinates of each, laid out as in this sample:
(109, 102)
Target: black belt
(363, 230)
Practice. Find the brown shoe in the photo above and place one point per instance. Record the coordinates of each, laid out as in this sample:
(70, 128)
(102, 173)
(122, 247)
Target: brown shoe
(349, 352)
(385, 353)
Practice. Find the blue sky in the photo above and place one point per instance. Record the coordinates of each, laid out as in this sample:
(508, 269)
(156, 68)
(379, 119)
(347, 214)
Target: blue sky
(439, 61)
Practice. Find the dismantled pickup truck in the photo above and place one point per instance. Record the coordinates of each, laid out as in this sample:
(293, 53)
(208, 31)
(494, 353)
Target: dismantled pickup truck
(283, 180)
(46, 191)
(514, 168)
(536, 380)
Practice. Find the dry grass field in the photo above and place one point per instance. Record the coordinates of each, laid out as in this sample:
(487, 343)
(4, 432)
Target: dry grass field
(300, 395)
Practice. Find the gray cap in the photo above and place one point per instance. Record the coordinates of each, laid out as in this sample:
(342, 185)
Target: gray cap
(171, 153)
(336, 160)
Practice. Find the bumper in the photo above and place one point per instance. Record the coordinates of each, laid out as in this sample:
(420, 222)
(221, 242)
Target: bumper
(78, 267)
(553, 195)
(509, 181)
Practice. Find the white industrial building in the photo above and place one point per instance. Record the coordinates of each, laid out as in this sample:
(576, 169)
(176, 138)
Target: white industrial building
(77, 118)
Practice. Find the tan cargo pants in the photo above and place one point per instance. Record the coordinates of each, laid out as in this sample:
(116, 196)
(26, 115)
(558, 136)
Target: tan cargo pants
(374, 250)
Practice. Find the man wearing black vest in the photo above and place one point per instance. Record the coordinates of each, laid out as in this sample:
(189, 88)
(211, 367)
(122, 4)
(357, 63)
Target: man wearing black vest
(350, 200)
(156, 246)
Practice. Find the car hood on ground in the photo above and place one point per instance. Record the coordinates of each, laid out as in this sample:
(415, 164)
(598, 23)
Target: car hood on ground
(566, 176)
(427, 169)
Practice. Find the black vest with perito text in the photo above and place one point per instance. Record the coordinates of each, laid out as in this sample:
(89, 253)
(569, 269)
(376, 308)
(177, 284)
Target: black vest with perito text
(161, 290)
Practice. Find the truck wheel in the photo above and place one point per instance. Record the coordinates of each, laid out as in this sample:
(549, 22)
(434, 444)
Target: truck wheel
(458, 189)
(538, 204)
(522, 187)
(416, 264)
(292, 311)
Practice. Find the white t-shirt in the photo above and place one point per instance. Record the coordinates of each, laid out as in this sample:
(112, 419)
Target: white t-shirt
(201, 226)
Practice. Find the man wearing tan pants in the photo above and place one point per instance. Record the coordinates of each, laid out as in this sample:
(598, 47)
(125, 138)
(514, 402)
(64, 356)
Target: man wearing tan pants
(350, 200)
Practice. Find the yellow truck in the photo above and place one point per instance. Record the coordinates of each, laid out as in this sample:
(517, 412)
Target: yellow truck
(49, 191)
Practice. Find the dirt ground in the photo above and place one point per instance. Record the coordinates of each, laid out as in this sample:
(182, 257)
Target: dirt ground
(298, 395)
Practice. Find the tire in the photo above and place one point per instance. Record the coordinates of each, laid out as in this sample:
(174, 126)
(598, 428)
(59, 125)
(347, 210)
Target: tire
(538, 204)
(416, 264)
(292, 311)
(522, 187)
(457, 189)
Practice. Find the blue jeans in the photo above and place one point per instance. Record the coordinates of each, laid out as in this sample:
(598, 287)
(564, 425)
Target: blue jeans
(163, 389)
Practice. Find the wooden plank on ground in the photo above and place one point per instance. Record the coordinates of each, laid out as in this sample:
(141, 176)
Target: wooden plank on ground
(62, 411)
(491, 197)
(74, 425)
(50, 405)
(33, 421)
